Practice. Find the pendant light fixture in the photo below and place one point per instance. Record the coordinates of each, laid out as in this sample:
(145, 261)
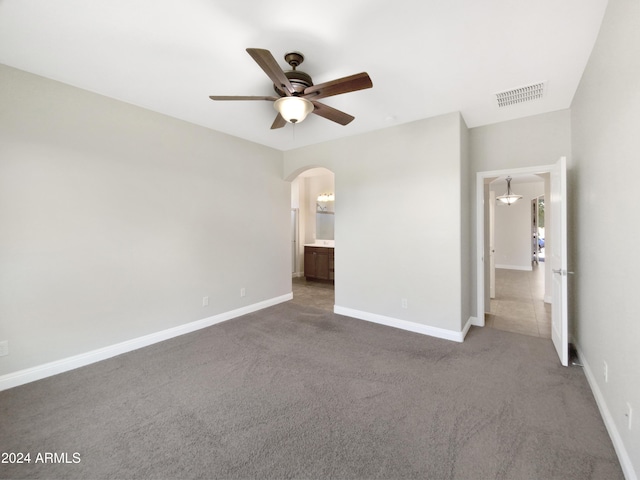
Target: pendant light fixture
(509, 197)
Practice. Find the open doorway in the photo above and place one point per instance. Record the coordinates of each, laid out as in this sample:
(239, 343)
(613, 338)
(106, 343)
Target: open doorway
(313, 242)
(517, 276)
(537, 230)
(556, 255)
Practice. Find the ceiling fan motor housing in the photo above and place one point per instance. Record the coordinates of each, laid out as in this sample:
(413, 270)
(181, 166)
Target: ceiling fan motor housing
(299, 80)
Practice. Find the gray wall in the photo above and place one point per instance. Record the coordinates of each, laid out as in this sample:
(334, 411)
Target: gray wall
(606, 233)
(117, 221)
(396, 235)
(526, 142)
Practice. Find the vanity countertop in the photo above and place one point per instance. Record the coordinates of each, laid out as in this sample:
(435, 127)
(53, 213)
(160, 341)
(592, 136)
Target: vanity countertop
(321, 243)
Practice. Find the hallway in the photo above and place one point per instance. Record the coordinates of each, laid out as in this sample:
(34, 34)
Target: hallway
(519, 306)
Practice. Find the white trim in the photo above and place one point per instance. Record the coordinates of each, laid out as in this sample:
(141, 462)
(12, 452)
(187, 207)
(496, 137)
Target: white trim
(515, 267)
(32, 374)
(616, 439)
(467, 326)
(404, 324)
(477, 322)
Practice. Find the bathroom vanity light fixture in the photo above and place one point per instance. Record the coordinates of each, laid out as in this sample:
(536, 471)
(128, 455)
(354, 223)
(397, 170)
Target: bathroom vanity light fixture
(326, 197)
(509, 197)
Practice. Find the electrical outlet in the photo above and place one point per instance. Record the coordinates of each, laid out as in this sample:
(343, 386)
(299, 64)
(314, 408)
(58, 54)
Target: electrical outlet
(205, 301)
(4, 348)
(243, 292)
(629, 415)
(405, 304)
(605, 371)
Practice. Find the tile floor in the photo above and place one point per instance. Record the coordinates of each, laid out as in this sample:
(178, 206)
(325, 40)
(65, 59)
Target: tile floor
(519, 306)
(313, 293)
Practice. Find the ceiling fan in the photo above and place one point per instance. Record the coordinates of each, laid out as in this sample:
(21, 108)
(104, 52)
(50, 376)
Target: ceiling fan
(297, 96)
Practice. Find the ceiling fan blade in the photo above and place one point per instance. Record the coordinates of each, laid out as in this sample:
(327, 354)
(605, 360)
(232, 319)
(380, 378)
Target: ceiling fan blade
(332, 114)
(279, 122)
(352, 83)
(266, 61)
(240, 97)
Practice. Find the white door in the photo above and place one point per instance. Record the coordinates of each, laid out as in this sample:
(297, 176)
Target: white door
(558, 260)
(492, 248)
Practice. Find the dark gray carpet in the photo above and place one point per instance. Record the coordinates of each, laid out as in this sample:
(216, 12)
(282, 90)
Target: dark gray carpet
(297, 392)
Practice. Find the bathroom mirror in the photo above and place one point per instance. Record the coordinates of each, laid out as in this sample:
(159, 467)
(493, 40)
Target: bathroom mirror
(324, 225)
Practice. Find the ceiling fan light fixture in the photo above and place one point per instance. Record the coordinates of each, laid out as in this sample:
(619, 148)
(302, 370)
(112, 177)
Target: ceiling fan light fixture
(293, 109)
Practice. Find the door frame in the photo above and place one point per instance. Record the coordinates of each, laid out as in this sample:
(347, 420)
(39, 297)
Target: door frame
(534, 231)
(295, 242)
(480, 230)
(492, 244)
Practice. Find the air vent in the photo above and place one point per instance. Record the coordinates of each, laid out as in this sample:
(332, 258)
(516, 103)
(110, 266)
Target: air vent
(520, 94)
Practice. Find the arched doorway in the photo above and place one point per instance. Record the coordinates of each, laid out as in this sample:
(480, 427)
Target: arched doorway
(312, 231)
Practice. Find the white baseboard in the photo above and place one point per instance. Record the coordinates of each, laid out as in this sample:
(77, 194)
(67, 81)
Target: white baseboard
(616, 439)
(477, 322)
(21, 377)
(516, 267)
(403, 324)
(467, 326)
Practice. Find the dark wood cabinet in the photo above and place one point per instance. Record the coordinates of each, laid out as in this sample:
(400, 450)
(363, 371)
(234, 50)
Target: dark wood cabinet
(318, 263)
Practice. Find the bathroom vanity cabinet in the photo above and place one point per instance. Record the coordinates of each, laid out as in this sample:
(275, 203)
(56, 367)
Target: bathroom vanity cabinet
(318, 263)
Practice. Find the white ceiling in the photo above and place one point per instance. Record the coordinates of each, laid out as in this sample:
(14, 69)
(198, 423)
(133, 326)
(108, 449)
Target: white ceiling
(425, 57)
